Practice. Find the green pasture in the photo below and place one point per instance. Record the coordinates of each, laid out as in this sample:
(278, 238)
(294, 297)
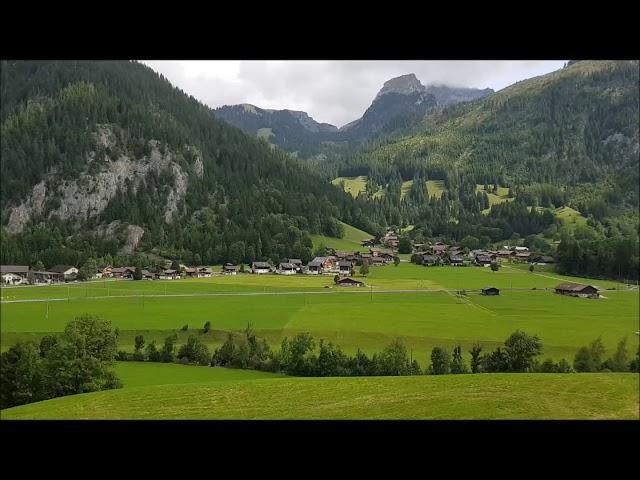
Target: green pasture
(366, 318)
(139, 374)
(349, 242)
(486, 396)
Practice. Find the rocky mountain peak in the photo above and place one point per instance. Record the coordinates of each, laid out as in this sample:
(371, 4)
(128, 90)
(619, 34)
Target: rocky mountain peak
(404, 85)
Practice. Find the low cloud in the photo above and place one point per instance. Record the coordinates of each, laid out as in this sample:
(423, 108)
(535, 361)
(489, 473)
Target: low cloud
(335, 92)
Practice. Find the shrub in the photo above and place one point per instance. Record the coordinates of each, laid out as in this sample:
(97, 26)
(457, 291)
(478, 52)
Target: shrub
(185, 328)
(207, 327)
(440, 361)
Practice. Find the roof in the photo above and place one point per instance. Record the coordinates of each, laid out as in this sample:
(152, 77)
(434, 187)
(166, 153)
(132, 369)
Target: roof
(287, 265)
(320, 259)
(295, 261)
(14, 269)
(523, 254)
(574, 287)
(457, 258)
(60, 268)
(483, 258)
(170, 271)
(230, 266)
(343, 263)
(261, 265)
(314, 264)
(348, 280)
(545, 258)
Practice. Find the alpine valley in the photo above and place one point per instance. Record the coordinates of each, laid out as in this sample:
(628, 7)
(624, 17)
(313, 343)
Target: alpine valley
(106, 159)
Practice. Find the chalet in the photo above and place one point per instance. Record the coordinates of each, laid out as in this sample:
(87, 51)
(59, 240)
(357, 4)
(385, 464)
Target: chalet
(260, 268)
(484, 260)
(344, 255)
(229, 269)
(370, 242)
(107, 271)
(169, 274)
(438, 248)
(505, 253)
(123, 272)
(456, 260)
(577, 290)
(344, 267)
(391, 240)
(191, 272)
(429, 260)
(456, 251)
(287, 269)
(542, 260)
(522, 256)
(490, 291)
(314, 268)
(328, 263)
(147, 275)
(349, 282)
(14, 274)
(377, 261)
(68, 272)
(297, 263)
(204, 272)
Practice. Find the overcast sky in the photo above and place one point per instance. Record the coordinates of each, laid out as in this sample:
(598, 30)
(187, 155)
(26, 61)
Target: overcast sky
(335, 92)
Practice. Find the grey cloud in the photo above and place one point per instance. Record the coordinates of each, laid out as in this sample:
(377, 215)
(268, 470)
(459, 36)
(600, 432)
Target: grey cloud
(335, 92)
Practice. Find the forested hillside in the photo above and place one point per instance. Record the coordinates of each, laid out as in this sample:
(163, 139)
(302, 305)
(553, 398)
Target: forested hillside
(569, 138)
(107, 157)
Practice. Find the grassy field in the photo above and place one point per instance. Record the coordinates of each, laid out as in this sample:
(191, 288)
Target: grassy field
(352, 185)
(366, 318)
(141, 374)
(435, 188)
(355, 185)
(350, 241)
(493, 198)
(487, 396)
(570, 216)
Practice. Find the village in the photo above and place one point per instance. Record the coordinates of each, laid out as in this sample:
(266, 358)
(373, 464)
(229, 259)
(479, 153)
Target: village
(339, 264)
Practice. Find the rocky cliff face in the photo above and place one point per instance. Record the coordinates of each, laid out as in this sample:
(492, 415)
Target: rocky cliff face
(88, 195)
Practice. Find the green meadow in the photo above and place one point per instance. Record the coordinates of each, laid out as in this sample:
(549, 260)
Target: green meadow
(349, 242)
(417, 304)
(141, 374)
(486, 396)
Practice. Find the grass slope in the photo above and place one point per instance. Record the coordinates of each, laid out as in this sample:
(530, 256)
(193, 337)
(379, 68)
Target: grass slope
(350, 241)
(487, 396)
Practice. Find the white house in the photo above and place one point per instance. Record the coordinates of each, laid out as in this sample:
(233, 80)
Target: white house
(14, 274)
(67, 271)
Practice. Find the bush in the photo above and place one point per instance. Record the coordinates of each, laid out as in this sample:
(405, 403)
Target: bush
(185, 328)
(207, 327)
(589, 359)
(194, 351)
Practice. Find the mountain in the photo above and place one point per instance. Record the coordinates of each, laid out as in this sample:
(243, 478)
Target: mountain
(401, 103)
(107, 158)
(291, 130)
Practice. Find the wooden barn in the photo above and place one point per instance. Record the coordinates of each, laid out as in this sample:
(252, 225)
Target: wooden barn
(577, 290)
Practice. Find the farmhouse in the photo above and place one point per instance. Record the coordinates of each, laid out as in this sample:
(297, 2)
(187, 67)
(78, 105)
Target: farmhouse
(328, 263)
(286, 269)
(456, 260)
(14, 274)
(170, 274)
(297, 263)
(377, 262)
(191, 272)
(230, 269)
(260, 267)
(204, 272)
(454, 251)
(438, 248)
(522, 256)
(314, 268)
(542, 260)
(505, 253)
(123, 272)
(429, 260)
(147, 275)
(577, 290)
(68, 272)
(490, 291)
(344, 267)
(349, 282)
(107, 271)
(370, 242)
(484, 259)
